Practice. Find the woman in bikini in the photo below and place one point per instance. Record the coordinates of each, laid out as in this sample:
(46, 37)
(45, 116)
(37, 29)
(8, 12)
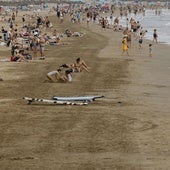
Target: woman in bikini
(56, 75)
(80, 65)
(35, 47)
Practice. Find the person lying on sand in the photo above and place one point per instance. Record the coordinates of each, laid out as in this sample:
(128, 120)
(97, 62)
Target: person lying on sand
(57, 41)
(70, 33)
(78, 66)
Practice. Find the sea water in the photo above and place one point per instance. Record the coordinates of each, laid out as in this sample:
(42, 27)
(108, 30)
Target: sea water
(151, 21)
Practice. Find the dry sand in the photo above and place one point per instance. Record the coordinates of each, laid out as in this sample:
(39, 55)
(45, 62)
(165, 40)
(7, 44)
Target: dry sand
(127, 130)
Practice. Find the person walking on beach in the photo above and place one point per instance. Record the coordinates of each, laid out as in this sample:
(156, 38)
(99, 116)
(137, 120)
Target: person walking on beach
(111, 19)
(125, 46)
(103, 23)
(127, 22)
(23, 19)
(140, 41)
(150, 50)
(155, 36)
(13, 16)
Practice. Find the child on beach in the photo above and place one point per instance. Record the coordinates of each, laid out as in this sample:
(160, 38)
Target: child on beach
(150, 50)
(125, 46)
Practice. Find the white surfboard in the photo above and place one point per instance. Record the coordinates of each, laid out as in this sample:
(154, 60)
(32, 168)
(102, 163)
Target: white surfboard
(80, 98)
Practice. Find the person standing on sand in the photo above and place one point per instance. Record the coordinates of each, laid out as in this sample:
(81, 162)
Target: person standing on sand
(34, 45)
(23, 19)
(125, 46)
(127, 22)
(58, 14)
(88, 21)
(42, 47)
(129, 38)
(111, 19)
(103, 23)
(13, 16)
(155, 36)
(61, 17)
(16, 11)
(140, 41)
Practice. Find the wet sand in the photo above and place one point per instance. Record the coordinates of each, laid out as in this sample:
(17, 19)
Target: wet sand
(126, 130)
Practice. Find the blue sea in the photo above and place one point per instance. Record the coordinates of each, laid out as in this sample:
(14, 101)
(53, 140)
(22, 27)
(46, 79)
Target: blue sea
(152, 21)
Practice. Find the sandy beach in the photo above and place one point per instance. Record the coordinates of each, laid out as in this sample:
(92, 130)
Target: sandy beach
(127, 130)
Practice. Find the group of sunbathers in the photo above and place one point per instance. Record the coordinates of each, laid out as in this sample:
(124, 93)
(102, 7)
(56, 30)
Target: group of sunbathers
(57, 75)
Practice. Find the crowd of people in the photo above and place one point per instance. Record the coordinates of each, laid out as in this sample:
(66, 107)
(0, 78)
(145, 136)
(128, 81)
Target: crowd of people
(29, 39)
(110, 19)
